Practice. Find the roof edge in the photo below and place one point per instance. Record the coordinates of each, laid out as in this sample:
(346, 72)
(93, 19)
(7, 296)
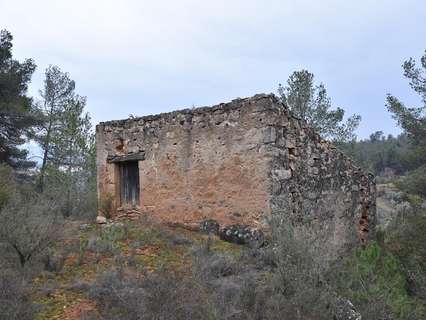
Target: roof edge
(233, 104)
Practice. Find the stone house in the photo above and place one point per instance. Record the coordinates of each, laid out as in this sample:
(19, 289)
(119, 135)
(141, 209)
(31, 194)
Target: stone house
(237, 163)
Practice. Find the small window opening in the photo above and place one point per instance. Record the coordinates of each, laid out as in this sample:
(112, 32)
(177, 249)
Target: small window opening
(119, 147)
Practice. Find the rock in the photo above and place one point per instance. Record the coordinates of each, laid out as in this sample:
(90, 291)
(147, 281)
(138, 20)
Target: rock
(345, 310)
(282, 174)
(84, 226)
(101, 220)
(209, 226)
(242, 234)
(117, 225)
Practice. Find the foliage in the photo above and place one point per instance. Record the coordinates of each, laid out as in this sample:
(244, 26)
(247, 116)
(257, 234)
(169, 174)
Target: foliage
(412, 119)
(414, 182)
(379, 153)
(7, 184)
(407, 240)
(17, 113)
(106, 205)
(66, 139)
(68, 145)
(83, 244)
(29, 224)
(15, 302)
(374, 281)
(53, 262)
(107, 241)
(388, 278)
(155, 296)
(57, 92)
(312, 104)
(207, 265)
(300, 271)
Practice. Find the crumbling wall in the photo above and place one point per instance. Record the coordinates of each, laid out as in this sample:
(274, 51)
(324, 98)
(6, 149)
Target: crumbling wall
(198, 163)
(326, 196)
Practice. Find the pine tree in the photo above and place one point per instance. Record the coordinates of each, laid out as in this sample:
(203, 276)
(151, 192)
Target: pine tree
(72, 150)
(58, 91)
(18, 116)
(412, 119)
(312, 104)
(68, 144)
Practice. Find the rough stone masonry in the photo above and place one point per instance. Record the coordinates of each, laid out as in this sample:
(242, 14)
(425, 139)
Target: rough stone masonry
(237, 162)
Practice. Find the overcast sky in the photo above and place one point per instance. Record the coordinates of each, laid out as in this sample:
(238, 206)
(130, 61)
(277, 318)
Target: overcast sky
(145, 57)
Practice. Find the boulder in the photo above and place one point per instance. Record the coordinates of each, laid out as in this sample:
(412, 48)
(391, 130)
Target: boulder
(345, 310)
(84, 226)
(101, 220)
(209, 226)
(242, 234)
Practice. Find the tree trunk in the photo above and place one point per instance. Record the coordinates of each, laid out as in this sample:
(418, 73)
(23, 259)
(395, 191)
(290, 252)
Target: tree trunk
(46, 150)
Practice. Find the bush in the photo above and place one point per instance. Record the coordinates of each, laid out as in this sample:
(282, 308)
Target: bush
(106, 205)
(108, 240)
(407, 240)
(414, 182)
(29, 225)
(15, 303)
(176, 239)
(374, 281)
(76, 194)
(207, 265)
(300, 273)
(53, 262)
(154, 296)
(83, 244)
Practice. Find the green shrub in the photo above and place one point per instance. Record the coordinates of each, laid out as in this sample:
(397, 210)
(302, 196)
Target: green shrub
(414, 182)
(407, 240)
(373, 280)
(82, 250)
(415, 200)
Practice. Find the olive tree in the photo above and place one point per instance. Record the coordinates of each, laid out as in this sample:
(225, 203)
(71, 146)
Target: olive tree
(29, 225)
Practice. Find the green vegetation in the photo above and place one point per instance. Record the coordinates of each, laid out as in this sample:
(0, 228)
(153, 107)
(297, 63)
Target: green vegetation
(312, 104)
(406, 154)
(379, 154)
(374, 281)
(18, 115)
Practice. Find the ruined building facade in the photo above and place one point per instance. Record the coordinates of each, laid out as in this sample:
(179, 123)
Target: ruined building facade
(237, 162)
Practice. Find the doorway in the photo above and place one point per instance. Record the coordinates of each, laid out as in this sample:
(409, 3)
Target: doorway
(129, 183)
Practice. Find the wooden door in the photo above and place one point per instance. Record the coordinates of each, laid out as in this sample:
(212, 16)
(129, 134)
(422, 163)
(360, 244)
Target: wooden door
(129, 183)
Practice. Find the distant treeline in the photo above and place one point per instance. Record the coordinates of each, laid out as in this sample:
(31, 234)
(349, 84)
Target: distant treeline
(380, 153)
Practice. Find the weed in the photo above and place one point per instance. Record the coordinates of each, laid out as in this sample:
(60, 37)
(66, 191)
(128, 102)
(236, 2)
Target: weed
(82, 250)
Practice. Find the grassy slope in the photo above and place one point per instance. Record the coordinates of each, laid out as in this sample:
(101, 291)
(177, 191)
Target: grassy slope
(148, 246)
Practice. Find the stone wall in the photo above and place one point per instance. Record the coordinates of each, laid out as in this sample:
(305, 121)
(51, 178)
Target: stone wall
(198, 163)
(237, 163)
(323, 192)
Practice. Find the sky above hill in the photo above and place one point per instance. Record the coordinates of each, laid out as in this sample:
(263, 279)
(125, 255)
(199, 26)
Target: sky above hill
(146, 57)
